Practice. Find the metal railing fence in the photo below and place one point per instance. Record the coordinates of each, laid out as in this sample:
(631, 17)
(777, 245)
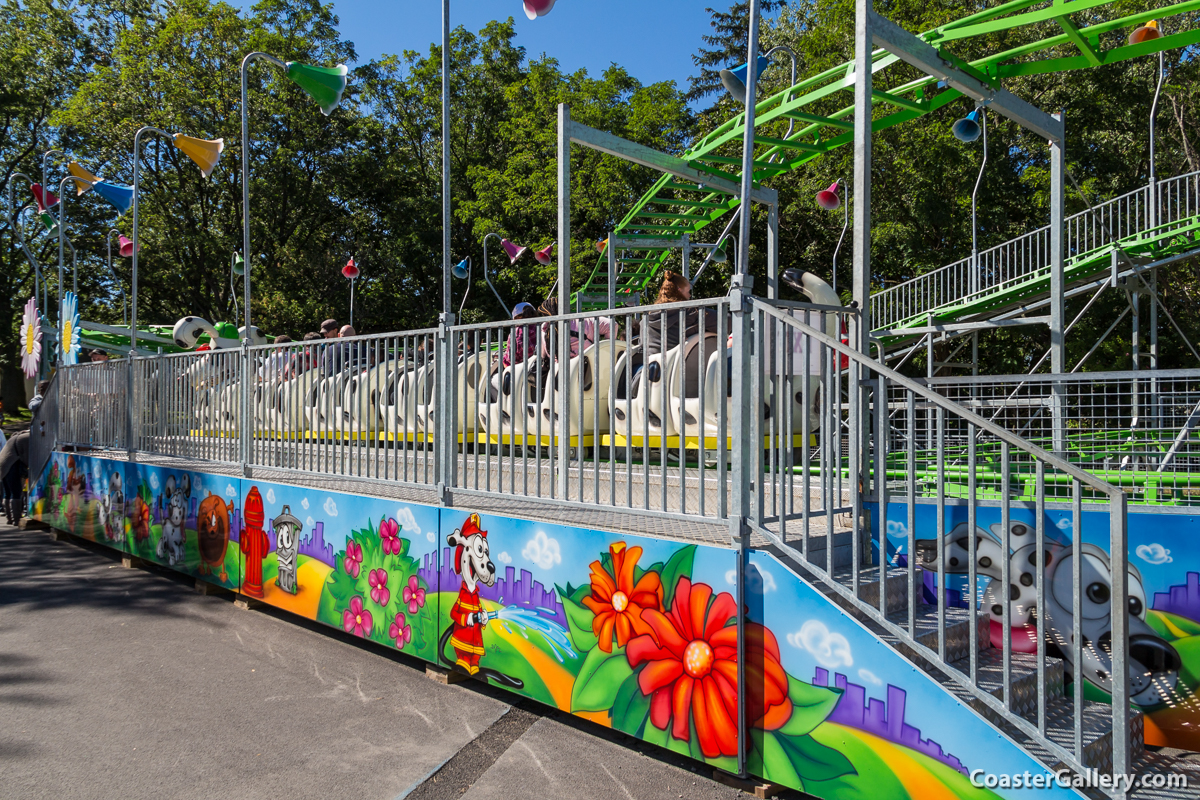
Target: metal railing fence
(1139, 430)
(43, 430)
(91, 405)
(1013, 261)
(901, 453)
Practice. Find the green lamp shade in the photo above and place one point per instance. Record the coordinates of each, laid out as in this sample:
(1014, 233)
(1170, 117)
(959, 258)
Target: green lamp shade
(50, 225)
(323, 84)
(239, 266)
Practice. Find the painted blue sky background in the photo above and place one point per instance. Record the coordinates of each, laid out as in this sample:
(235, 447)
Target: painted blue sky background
(654, 41)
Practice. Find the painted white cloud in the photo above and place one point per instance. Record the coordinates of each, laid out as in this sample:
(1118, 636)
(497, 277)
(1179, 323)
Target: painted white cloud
(408, 524)
(230, 491)
(270, 492)
(330, 507)
(830, 649)
(308, 523)
(758, 580)
(304, 504)
(1154, 553)
(153, 475)
(867, 676)
(1064, 524)
(897, 528)
(504, 558)
(543, 551)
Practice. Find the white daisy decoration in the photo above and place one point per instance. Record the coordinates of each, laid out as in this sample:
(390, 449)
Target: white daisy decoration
(31, 339)
(69, 335)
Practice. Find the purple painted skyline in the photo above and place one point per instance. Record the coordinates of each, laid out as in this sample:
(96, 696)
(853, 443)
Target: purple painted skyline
(314, 545)
(525, 592)
(1182, 598)
(884, 719)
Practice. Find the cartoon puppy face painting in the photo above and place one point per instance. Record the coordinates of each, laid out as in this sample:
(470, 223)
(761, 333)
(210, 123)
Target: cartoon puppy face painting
(473, 563)
(175, 498)
(1154, 663)
(212, 535)
(112, 509)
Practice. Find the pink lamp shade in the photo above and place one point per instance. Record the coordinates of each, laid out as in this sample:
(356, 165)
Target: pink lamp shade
(44, 199)
(537, 8)
(829, 199)
(350, 271)
(545, 255)
(601, 244)
(126, 246)
(514, 250)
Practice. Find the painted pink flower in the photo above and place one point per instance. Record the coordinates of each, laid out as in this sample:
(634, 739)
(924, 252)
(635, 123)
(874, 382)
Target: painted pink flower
(400, 632)
(380, 593)
(356, 619)
(414, 595)
(352, 563)
(389, 535)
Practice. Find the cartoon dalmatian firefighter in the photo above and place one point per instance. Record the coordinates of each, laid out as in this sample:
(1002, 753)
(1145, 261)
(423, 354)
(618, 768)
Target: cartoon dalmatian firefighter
(473, 563)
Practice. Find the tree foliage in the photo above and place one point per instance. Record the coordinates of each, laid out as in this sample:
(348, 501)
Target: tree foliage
(366, 181)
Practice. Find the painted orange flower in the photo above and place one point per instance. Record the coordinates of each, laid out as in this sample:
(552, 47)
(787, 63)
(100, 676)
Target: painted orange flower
(691, 670)
(617, 601)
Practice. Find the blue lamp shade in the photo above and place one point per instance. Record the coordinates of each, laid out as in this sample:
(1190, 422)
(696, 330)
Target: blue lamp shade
(117, 195)
(734, 78)
(968, 129)
(461, 269)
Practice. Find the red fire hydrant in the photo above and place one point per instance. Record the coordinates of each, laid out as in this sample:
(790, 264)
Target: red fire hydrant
(254, 544)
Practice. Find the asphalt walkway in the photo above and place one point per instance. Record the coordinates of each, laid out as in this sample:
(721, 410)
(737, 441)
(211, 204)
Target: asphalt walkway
(126, 683)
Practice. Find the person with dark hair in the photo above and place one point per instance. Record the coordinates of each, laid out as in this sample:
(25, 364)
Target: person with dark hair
(38, 396)
(667, 328)
(518, 347)
(583, 332)
(14, 463)
(308, 357)
(279, 363)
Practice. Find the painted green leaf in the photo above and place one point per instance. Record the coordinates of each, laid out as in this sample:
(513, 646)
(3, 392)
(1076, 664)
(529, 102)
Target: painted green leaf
(811, 705)
(678, 566)
(631, 708)
(775, 765)
(813, 760)
(599, 678)
(579, 623)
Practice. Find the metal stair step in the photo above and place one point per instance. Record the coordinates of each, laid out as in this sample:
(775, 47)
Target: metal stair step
(989, 676)
(1097, 729)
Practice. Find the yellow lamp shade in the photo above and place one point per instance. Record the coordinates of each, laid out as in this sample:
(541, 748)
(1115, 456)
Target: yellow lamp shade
(86, 178)
(205, 152)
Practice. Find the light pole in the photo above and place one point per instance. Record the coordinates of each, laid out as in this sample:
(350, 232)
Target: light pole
(125, 249)
(514, 252)
(323, 84)
(205, 153)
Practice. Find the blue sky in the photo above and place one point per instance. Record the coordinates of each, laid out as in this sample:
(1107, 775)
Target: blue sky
(653, 39)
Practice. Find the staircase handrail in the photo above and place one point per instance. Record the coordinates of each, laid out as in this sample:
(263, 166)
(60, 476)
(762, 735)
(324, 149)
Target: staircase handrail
(939, 401)
(1119, 545)
(890, 298)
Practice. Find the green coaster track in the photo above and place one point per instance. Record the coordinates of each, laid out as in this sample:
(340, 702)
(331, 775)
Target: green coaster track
(674, 207)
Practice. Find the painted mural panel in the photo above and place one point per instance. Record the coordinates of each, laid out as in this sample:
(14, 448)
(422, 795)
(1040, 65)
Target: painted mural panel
(1164, 584)
(635, 633)
(863, 722)
(351, 562)
(83, 495)
(188, 521)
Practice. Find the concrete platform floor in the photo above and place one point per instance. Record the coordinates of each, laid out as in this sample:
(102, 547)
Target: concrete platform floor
(126, 683)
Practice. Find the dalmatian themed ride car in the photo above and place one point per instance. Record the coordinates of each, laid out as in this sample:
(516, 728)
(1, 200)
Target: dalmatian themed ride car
(1154, 663)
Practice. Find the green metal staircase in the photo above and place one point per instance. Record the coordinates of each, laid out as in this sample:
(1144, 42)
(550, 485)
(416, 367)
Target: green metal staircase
(816, 111)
